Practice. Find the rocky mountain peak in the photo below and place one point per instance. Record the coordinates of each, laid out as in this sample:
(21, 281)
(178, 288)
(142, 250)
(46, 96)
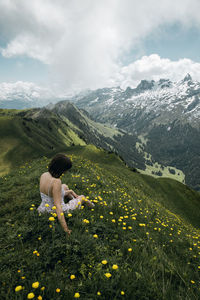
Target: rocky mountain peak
(187, 77)
(145, 85)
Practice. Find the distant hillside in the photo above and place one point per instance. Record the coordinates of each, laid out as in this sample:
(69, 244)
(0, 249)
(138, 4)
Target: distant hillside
(166, 117)
(141, 241)
(30, 133)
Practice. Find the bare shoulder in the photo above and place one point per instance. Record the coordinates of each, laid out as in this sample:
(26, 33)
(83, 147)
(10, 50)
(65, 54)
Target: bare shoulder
(56, 183)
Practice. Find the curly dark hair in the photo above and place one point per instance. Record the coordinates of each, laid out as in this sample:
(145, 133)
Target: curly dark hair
(59, 164)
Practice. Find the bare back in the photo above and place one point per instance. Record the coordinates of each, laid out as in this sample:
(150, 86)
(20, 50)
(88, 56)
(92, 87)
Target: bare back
(46, 181)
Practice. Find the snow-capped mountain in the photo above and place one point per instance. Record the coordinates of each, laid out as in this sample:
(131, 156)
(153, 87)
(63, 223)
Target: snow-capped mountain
(149, 103)
(164, 114)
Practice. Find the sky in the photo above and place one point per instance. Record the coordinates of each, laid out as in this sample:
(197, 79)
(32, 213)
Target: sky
(73, 45)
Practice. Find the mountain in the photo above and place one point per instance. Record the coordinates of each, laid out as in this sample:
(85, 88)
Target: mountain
(164, 115)
(44, 131)
(141, 241)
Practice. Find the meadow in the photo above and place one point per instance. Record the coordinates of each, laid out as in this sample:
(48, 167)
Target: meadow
(135, 243)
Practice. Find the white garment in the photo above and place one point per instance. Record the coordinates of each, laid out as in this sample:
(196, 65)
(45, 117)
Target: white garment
(46, 199)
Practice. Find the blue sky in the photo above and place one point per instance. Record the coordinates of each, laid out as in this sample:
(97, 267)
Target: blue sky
(91, 43)
(174, 42)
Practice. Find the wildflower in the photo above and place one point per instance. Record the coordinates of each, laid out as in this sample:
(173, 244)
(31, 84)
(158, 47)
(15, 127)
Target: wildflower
(42, 288)
(54, 207)
(98, 293)
(47, 205)
(122, 293)
(30, 295)
(104, 262)
(18, 288)
(115, 267)
(142, 225)
(39, 297)
(192, 281)
(95, 236)
(61, 214)
(39, 238)
(35, 285)
(57, 290)
(54, 214)
(23, 277)
(31, 208)
(69, 215)
(72, 277)
(18, 271)
(108, 275)
(130, 249)
(32, 204)
(111, 213)
(113, 220)
(101, 217)
(51, 219)
(76, 295)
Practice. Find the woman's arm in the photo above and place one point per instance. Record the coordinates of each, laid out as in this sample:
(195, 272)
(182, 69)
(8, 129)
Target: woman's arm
(56, 191)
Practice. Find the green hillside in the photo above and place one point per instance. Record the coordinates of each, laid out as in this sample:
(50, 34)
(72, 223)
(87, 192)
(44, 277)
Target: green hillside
(31, 133)
(137, 243)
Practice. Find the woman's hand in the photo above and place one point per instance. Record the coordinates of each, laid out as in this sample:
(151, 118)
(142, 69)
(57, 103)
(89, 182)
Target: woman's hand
(70, 194)
(68, 231)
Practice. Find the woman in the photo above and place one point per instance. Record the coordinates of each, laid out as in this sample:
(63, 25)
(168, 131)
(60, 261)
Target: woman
(52, 191)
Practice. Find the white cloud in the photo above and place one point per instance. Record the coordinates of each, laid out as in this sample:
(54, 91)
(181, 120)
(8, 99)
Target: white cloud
(154, 67)
(83, 41)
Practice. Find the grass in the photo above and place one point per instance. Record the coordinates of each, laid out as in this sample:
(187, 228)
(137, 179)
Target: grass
(156, 250)
(155, 167)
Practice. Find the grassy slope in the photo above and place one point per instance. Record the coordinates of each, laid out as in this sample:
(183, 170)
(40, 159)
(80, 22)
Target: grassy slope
(163, 263)
(24, 139)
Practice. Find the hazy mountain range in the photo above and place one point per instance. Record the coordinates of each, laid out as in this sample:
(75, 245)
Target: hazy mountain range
(154, 127)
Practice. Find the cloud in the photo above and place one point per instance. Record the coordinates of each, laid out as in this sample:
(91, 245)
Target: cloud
(83, 42)
(154, 67)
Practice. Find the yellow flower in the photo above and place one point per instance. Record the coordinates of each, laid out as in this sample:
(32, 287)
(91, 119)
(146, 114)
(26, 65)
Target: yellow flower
(61, 214)
(108, 275)
(192, 281)
(54, 214)
(42, 288)
(39, 238)
(115, 267)
(111, 213)
(142, 225)
(104, 262)
(23, 277)
(35, 285)
(95, 236)
(130, 249)
(47, 205)
(39, 297)
(51, 219)
(31, 208)
(101, 217)
(54, 207)
(72, 276)
(18, 288)
(98, 293)
(69, 215)
(76, 295)
(57, 290)
(122, 293)
(30, 296)
(113, 220)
